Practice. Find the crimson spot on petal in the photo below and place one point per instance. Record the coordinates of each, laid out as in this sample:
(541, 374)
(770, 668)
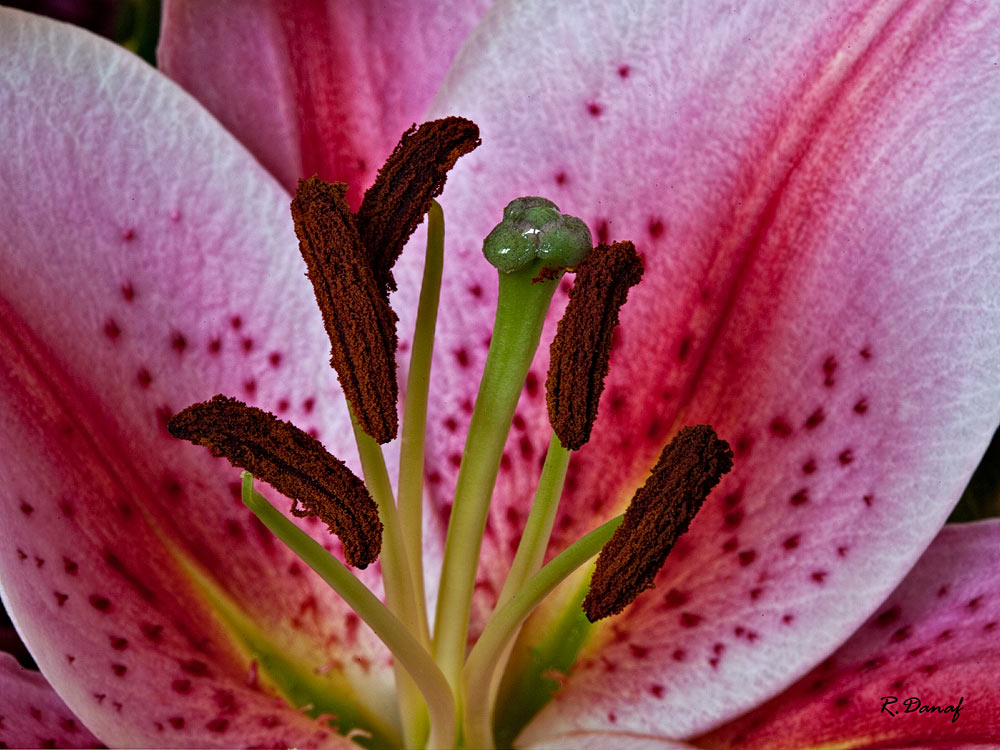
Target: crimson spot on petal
(178, 342)
(675, 598)
(218, 725)
(901, 634)
(690, 620)
(815, 419)
(779, 426)
(111, 329)
(100, 603)
(195, 667)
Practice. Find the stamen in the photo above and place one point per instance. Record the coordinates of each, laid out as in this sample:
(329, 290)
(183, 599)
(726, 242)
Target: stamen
(414, 174)
(405, 649)
(582, 344)
(356, 314)
(294, 463)
(661, 510)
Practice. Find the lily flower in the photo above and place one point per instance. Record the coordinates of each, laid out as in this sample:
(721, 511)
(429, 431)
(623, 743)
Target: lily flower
(812, 192)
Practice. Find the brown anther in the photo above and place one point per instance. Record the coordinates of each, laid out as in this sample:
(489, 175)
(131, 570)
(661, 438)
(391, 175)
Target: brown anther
(582, 344)
(356, 314)
(413, 175)
(294, 463)
(660, 512)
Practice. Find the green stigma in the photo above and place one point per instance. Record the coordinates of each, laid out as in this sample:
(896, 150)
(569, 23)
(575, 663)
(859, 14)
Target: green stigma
(533, 230)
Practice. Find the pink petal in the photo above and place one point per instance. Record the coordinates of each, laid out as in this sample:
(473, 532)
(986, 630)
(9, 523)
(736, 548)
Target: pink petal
(315, 87)
(604, 740)
(813, 191)
(937, 637)
(150, 262)
(33, 715)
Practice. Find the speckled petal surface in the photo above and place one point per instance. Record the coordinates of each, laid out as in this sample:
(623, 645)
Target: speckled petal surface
(317, 86)
(148, 262)
(813, 191)
(33, 715)
(603, 740)
(935, 639)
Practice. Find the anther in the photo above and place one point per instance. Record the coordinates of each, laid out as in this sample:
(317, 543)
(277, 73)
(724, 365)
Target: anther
(660, 512)
(356, 314)
(294, 463)
(582, 344)
(412, 176)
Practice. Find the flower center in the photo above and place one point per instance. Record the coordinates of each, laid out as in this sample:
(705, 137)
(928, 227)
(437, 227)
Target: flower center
(447, 692)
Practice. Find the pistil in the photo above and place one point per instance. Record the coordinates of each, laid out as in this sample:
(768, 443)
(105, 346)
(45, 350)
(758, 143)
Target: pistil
(521, 308)
(533, 236)
(578, 365)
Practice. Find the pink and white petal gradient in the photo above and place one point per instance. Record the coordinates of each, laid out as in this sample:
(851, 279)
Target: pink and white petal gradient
(813, 191)
(33, 715)
(316, 86)
(150, 262)
(937, 637)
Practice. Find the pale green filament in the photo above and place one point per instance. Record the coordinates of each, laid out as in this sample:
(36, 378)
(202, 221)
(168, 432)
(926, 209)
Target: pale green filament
(406, 649)
(534, 541)
(399, 592)
(538, 528)
(505, 623)
(411, 449)
(521, 308)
